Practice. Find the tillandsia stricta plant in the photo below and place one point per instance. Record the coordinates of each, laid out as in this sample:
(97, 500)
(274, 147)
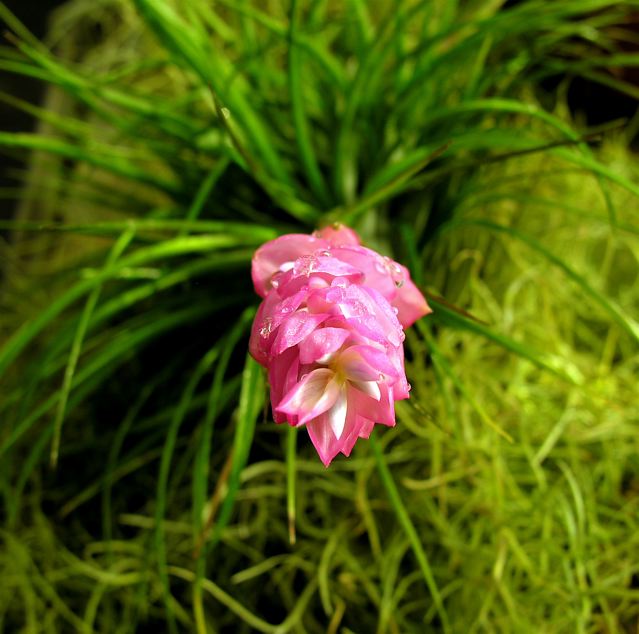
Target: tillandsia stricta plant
(182, 135)
(331, 333)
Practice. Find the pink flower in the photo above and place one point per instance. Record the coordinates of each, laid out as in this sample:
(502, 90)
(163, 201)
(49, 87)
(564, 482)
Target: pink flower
(391, 279)
(330, 333)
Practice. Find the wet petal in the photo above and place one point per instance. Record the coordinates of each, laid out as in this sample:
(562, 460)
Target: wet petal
(315, 394)
(410, 303)
(320, 345)
(279, 255)
(294, 329)
(365, 363)
(380, 411)
(338, 234)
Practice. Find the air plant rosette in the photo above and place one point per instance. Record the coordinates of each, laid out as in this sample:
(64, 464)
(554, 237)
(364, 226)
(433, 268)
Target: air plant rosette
(331, 333)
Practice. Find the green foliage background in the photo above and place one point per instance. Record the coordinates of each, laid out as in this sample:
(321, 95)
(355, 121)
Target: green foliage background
(144, 486)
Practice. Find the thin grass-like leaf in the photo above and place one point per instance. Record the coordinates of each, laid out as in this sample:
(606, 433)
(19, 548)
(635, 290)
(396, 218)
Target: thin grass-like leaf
(76, 348)
(616, 312)
(409, 529)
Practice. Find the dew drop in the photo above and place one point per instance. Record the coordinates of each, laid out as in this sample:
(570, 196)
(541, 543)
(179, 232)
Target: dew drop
(395, 310)
(305, 265)
(402, 336)
(380, 266)
(409, 387)
(266, 328)
(275, 282)
(326, 254)
(399, 283)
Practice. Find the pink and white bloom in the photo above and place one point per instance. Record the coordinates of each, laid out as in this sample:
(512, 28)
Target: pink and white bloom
(330, 332)
(391, 279)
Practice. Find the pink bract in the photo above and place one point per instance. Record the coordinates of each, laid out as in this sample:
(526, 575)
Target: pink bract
(330, 331)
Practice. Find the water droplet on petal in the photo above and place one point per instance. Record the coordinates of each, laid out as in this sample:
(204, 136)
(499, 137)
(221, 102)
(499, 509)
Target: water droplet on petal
(402, 336)
(380, 265)
(305, 265)
(326, 254)
(266, 328)
(395, 310)
(399, 283)
(275, 282)
(409, 387)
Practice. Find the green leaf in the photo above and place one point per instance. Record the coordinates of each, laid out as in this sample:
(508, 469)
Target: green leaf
(409, 529)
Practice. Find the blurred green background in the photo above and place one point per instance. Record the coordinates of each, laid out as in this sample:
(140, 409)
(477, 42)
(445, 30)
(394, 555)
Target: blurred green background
(487, 145)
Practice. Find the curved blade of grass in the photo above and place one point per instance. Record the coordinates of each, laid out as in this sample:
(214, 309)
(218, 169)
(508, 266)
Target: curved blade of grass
(202, 458)
(409, 529)
(251, 400)
(558, 366)
(350, 214)
(89, 91)
(302, 135)
(185, 44)
(616, 312)
(595, 166)
(76, 347)
(114, 451)
(442, 362)
(291, 454)
(203, 193)
(322, 56)
(165, 464)
(167, 249)
(96, 156)
(371, 69)
(142, 226)
(110, 358)
(247, 615)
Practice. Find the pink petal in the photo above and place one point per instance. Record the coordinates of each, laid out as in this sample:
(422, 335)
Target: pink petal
(366, 428)
(275, 256)
(323, 262)
(365, 363)
(321, 344)
(260, 331)
(410, 303)
(390, 279)
(316, 393)
(337, 414)
(371, 388)
(386, 315)
(338, 234)
(294, 329)
(362, 429)
(382, 411)
(323, 438)
(368, 328)
(374, 267)
(283, 376)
